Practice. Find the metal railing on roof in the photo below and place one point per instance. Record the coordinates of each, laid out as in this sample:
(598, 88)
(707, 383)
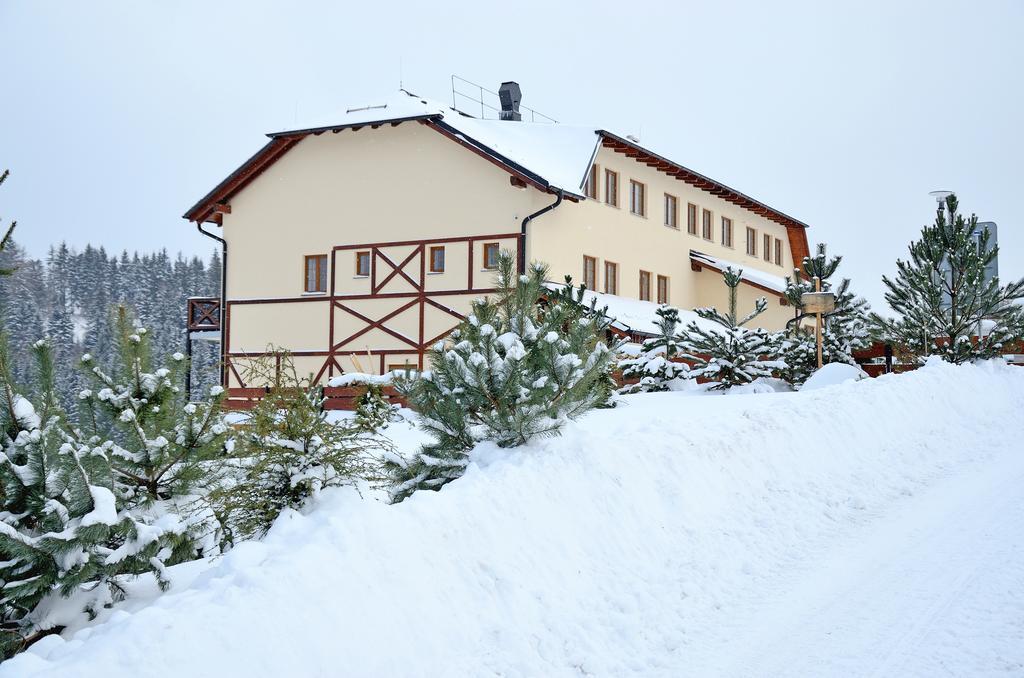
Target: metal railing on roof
(466, 92)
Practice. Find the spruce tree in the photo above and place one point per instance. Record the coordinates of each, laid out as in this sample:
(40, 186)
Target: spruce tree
(656, 367)
(944, 303)
(844, 330)
(514, 369)
(729, 353)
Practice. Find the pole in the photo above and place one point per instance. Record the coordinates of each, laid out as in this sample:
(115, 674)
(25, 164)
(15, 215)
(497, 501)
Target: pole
(817, 328)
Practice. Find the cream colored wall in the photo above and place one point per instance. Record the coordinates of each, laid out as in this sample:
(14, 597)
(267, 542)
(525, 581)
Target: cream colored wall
(411, 183)
(353, 188)
(635, 243)
(393, 183)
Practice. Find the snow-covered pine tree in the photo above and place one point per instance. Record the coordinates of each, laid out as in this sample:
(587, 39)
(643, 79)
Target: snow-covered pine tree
(373, 408)
(844, 330)
(514, 369)
(287, 449)
(946, 304)
(156, 440)
(60, 523)
(655, 367)
(10, 229)
(729, 353)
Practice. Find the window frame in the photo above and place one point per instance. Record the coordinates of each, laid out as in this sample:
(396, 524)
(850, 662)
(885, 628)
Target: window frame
(611, 197)
(707, 225)
(430, 267)
(637, 189)
(727, 231)
(674, 212)
(778, 251)
(751, 241)
(612, 268)
(663, 282)
(321, 272)
(496, 248)
(593, 262)
(369, 263)
(692, 225)
(590, 189)
(645, 277)
(766, 246)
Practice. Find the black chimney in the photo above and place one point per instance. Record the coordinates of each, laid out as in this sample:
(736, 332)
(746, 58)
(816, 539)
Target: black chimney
(510, 96)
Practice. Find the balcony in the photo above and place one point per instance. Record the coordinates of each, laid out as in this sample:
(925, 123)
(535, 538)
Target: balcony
(203, 314)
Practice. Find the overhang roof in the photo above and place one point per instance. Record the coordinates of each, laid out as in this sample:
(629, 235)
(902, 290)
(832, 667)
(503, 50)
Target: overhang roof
(549, 157)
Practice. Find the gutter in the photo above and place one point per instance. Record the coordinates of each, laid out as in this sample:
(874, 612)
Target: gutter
(526, 221)
(223, 303)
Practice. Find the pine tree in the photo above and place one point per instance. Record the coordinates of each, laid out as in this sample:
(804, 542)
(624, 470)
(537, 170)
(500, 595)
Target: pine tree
(514, 369)
(287, 450)
(61, 526)
(10, 229)
(731, 354)
(844, 330)
(655, 367)
(943, 299)
(158, 441)
(374, 409)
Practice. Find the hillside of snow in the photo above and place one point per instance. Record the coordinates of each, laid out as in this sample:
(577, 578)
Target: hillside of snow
(676, 535)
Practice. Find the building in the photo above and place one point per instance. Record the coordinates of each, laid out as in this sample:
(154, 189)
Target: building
(359, 243)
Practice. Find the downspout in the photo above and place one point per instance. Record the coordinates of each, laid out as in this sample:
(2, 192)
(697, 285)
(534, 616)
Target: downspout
(527, 220)
(223, 301)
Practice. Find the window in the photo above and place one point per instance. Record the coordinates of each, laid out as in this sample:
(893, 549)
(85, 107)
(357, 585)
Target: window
(362, 264)
(437, 260)
(671, 211)
(691, 219)
(611, 188)
(611, 278)
(491, 255)
(767, 251)
(778, 252)
(590, 272)
(404, 367)
(645, 286)
(316, 273)
(590, 189)
(727, 232)
(709, 228)
(751, 242)
(637, 198)
(662, 289)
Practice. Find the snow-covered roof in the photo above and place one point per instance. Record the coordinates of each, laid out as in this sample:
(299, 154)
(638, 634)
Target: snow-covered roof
(766, 281)
(559, 155)
(636, 316)
(550, 156)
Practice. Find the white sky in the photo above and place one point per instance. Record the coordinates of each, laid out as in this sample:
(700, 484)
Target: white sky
(116, 117)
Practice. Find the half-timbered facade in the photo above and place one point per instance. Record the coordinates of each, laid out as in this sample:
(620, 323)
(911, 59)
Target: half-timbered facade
(357, 245)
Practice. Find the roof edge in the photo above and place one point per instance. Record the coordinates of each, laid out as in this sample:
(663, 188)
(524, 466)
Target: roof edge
(782, 217)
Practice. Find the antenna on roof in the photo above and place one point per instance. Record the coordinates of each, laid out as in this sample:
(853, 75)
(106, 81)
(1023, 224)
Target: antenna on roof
(465, 92)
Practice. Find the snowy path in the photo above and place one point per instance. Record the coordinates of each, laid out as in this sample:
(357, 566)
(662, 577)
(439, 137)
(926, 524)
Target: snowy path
(933, 589)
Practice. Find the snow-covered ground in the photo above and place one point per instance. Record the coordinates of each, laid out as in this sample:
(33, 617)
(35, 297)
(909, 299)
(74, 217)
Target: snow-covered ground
(873, 527)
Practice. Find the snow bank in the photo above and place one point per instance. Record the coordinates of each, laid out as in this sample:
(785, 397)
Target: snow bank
(634, 544)
(832, 374)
